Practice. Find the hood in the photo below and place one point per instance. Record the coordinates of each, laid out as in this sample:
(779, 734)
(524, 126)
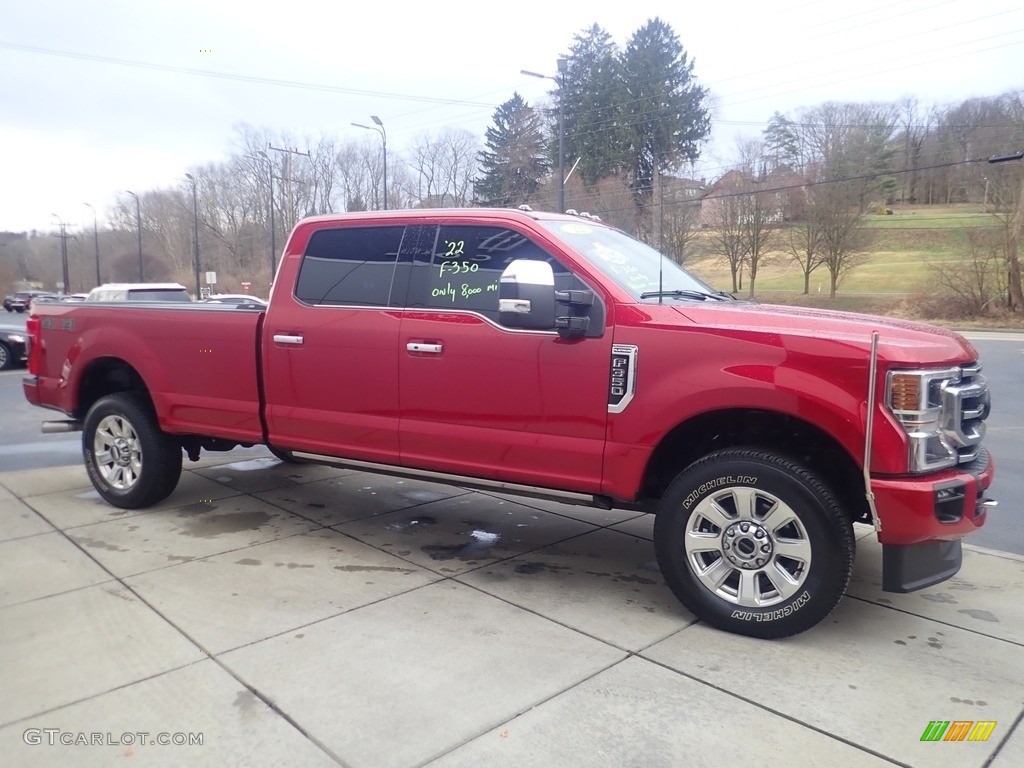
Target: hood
(899, 341)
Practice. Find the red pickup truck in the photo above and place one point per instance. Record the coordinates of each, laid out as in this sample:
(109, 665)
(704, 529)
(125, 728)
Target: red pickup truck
(555, 356)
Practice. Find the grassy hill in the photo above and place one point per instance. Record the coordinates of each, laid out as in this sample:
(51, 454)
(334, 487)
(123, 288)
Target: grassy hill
(896, 274)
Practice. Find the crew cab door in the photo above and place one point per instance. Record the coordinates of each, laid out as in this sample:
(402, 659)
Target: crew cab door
(479, 398)
(330, 349)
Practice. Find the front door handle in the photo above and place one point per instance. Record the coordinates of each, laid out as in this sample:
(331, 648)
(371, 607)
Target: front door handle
(285, 338)
(419, 346)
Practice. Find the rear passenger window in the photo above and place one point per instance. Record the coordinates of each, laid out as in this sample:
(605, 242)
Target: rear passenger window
(349, 266)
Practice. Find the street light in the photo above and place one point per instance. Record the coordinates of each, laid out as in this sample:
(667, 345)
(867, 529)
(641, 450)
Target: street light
(138, 219)
(96, 241)
(195, 233)
(379, 128)
(563, 65)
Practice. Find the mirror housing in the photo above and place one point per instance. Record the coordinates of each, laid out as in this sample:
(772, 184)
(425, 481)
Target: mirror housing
(526, 296)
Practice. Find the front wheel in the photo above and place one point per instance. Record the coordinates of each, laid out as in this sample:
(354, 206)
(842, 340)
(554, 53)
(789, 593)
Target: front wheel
(6, 358)
(130, 460)
(753, 543)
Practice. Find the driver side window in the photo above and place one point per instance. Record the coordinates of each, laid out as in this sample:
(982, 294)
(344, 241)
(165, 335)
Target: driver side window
(462, 264)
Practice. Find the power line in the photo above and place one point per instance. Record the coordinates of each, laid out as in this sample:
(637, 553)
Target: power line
(237, 77)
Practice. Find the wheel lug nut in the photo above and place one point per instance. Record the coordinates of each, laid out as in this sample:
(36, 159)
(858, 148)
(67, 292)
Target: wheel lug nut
(765, 548)
(725, 545)
(744, 527)
(759, 534)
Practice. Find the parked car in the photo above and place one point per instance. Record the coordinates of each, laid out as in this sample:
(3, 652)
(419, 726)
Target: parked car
(552, 356)
(43, 298)
(139, 292)
(18, 302)
(235, 298)
(12, 346)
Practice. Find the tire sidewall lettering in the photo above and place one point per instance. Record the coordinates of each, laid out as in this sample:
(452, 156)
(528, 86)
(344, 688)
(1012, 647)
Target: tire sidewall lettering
(708, 486)
(773, 614)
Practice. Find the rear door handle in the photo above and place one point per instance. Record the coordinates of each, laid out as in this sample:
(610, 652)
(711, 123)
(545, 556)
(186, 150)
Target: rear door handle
(285, 338)
(419, 346)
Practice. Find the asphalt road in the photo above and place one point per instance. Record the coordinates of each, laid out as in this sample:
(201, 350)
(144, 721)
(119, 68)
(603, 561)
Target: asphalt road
(23, 446)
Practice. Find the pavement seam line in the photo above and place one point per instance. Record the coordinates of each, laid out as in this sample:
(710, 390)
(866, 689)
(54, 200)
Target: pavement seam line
(794, 720)
(1002, 742)
(273, 707)
(268, 702)
(943, 622)
(519, 714)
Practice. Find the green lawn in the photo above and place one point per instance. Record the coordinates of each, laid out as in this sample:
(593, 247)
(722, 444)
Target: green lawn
(901, 258)
(931, 217)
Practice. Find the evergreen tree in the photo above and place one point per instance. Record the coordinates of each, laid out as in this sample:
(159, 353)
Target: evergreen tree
(664, 114)
(781, 143)
(514, 163)
(591, 93)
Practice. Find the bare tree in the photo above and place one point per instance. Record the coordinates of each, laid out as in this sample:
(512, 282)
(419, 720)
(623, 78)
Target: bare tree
(443, 168)
(803, 242)
(835, 210)
(722, 209)
(972, 284)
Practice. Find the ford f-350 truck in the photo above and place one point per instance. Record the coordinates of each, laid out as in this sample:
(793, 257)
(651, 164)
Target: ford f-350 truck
(552, 355)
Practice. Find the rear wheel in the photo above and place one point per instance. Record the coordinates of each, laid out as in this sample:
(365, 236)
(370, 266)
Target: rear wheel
(6, 358)
(753, 543)
(130, 460)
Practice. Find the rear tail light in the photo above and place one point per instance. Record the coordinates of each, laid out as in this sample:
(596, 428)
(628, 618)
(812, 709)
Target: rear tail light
(34, 344)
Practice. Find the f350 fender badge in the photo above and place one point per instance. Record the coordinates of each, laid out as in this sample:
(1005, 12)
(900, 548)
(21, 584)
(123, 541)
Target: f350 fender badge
(623, 377)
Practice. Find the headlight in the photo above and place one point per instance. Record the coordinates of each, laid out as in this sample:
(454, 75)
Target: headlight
(916, 400)
(17, 339)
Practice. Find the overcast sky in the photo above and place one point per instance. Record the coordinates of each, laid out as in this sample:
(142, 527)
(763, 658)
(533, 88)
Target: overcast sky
(97, 98)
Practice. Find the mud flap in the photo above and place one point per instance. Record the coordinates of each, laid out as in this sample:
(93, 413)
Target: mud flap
(909, 567)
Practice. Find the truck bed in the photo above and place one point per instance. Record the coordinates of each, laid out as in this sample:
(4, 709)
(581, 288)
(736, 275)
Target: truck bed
(199, 362)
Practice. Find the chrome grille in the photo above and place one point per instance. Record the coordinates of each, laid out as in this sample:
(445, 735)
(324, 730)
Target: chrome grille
(965, 406)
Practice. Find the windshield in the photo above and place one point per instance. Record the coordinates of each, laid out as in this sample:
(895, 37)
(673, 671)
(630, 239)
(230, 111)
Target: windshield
(631, 264)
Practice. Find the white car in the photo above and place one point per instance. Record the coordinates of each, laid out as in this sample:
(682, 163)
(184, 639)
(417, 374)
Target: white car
(235, 298)
(139, 292)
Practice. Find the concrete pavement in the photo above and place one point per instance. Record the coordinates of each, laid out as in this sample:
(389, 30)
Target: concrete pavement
(299, 615)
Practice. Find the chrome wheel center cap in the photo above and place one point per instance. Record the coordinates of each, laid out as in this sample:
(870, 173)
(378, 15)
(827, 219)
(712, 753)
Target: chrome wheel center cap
(121, 452)
(747, 544)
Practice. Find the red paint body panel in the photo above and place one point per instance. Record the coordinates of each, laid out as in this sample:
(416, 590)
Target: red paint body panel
(199, 367)
(517, 406)
(525, 407)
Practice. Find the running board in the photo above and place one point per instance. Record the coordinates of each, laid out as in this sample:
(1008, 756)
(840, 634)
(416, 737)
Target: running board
(465, 481)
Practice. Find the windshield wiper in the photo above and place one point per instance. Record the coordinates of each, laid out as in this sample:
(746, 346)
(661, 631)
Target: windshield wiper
(688, 294)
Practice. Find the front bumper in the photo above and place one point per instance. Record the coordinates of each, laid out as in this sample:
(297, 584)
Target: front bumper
(923, 519)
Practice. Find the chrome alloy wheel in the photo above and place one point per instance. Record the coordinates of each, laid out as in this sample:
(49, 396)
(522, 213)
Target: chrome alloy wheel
(118, 452)
(747, 547)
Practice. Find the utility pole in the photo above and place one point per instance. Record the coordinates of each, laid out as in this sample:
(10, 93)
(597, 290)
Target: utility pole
(195, 234)
(138, 221)
(64, 237)
(96, 241)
